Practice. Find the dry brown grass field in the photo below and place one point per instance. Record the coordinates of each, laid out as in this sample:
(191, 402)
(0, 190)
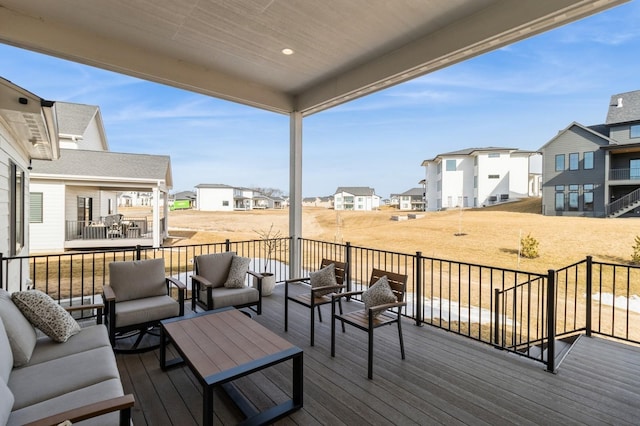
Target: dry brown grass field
(488, 236)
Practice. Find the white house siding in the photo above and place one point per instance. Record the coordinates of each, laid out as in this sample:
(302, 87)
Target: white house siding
(518, 179)
(432, 186)
(105, 196)
(92, 140)
(488, 185)
(71, 201)
(48, 236)
(9, 151)
(360, 202)
(213, 199)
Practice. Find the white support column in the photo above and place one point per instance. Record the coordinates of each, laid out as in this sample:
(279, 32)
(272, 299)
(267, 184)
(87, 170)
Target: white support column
(165, 215)
(295, 190)
(156, 217)
(607, 195)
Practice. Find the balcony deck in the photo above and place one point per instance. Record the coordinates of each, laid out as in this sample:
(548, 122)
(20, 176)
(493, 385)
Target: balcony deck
(444, 379)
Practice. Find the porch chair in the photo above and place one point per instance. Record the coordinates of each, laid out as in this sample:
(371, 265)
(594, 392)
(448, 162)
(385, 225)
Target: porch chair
(138, 297)
(219, 281)
(330, 278)
(383, 302)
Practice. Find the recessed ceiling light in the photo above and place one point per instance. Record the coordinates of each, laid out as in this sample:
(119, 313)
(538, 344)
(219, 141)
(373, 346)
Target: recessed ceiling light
(287, 51)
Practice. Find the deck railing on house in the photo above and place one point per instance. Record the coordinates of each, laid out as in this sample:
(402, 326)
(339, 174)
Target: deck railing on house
(97, 230)
(620, 204)
(624, 174)
(508, 309)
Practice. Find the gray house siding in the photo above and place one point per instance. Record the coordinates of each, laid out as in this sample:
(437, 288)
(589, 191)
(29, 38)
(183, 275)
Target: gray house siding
(568, 182)
(621, 134)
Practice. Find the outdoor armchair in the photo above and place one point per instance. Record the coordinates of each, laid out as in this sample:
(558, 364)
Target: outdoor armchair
(330, 278)
(138, 297)
(383, 302)
(219, 281)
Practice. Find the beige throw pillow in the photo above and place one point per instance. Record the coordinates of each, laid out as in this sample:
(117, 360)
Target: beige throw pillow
(237, 272)
(44, 313)
(379, 293)
(322, 278)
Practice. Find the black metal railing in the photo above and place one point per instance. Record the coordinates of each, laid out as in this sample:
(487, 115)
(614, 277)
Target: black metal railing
(513, 310)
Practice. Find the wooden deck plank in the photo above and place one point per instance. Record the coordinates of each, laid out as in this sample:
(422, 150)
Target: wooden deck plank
(445, 379)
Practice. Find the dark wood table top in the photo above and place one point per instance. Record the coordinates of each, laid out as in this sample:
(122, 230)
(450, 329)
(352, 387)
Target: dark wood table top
(217, 342)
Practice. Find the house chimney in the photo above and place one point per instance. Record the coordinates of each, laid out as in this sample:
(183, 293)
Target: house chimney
(619, 102)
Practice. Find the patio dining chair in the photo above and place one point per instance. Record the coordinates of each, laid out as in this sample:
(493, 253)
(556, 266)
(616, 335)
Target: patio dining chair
(383, 302)
(330, 278)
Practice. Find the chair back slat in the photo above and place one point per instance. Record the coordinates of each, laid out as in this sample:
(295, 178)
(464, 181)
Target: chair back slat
(340, 268)
(397, 282)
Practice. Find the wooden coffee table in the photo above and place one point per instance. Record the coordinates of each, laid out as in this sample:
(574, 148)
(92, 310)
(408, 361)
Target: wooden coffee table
(223, 345)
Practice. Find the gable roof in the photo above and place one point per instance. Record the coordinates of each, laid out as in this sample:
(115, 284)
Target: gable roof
(472, 151)
(414, 192)
(214, 185)
(362, 191)
(589, 129)
(624, 108)
(73, 119)
(106, 165)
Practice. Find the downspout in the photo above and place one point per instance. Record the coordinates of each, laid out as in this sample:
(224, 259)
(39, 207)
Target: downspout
(295, 191)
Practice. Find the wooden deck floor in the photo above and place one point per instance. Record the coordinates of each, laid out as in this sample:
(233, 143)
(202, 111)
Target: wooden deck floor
(445, 379)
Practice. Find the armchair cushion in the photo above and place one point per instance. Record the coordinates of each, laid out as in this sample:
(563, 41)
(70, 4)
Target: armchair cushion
(215, 267)
(323, 278)
(137, 279)
(45, 314)
(379, 293)
(22, 335)
(237, 272)
(147, 309)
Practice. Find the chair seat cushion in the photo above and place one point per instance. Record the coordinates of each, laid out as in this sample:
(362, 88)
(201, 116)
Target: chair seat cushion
(45, 314)
(145, 310)
(379, 293)
(110, 388)
(323, 278)
(223, 297)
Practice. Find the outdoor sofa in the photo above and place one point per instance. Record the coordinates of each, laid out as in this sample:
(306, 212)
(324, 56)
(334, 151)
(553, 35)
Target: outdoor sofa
(44, 381)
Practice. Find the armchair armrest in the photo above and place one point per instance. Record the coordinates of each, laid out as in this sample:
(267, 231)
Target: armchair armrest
(121, 403)
(327, 287)
(255, 274)
(202, 280)
(259, 277)
(380, 308)
(108, 294)
(176, 282)
(182, 288)
(98, 306)
(297, 280)
(346, 294)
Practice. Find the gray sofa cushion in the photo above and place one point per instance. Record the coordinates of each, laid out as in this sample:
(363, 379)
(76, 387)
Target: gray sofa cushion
(6, 403)
(145, 310)
(22, 335)
(214, 267)
(223, 297)
(137, 279)
(36, 383)
(6, 357)
(91, 337)
(110, 388)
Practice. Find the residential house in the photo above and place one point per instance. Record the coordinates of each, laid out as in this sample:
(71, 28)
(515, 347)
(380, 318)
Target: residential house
(135, 199)
(28, 131)
(475, 177)
(182, 200)
(411, 199)
(221, 197)
(71, 198)
(595, 170)
(74, 196)
(359, 198)
(326, 202)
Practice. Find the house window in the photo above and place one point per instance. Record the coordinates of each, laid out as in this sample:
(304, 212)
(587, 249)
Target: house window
(573, 161)
(451, 165)
(16, 209)
(588, 160)
(634, 131)
(494, 155)
(634, 169)
(225, 203)
(35, 207)
(573, 197)
(559, 162)
(559, 197)
(494, 176)
(587, 195)
(85, 210)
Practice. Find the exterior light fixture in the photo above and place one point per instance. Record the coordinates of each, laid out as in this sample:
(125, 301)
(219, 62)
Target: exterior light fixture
(287, 51)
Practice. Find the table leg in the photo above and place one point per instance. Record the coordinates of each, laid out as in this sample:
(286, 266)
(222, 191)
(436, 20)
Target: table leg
(207, 405)
(298, 379)
(163, 350)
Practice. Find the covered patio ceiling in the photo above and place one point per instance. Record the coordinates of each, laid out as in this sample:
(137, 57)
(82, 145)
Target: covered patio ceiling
(342, 49)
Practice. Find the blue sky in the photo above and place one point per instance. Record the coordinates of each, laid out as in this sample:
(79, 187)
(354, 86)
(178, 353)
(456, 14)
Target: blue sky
(519, 96)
